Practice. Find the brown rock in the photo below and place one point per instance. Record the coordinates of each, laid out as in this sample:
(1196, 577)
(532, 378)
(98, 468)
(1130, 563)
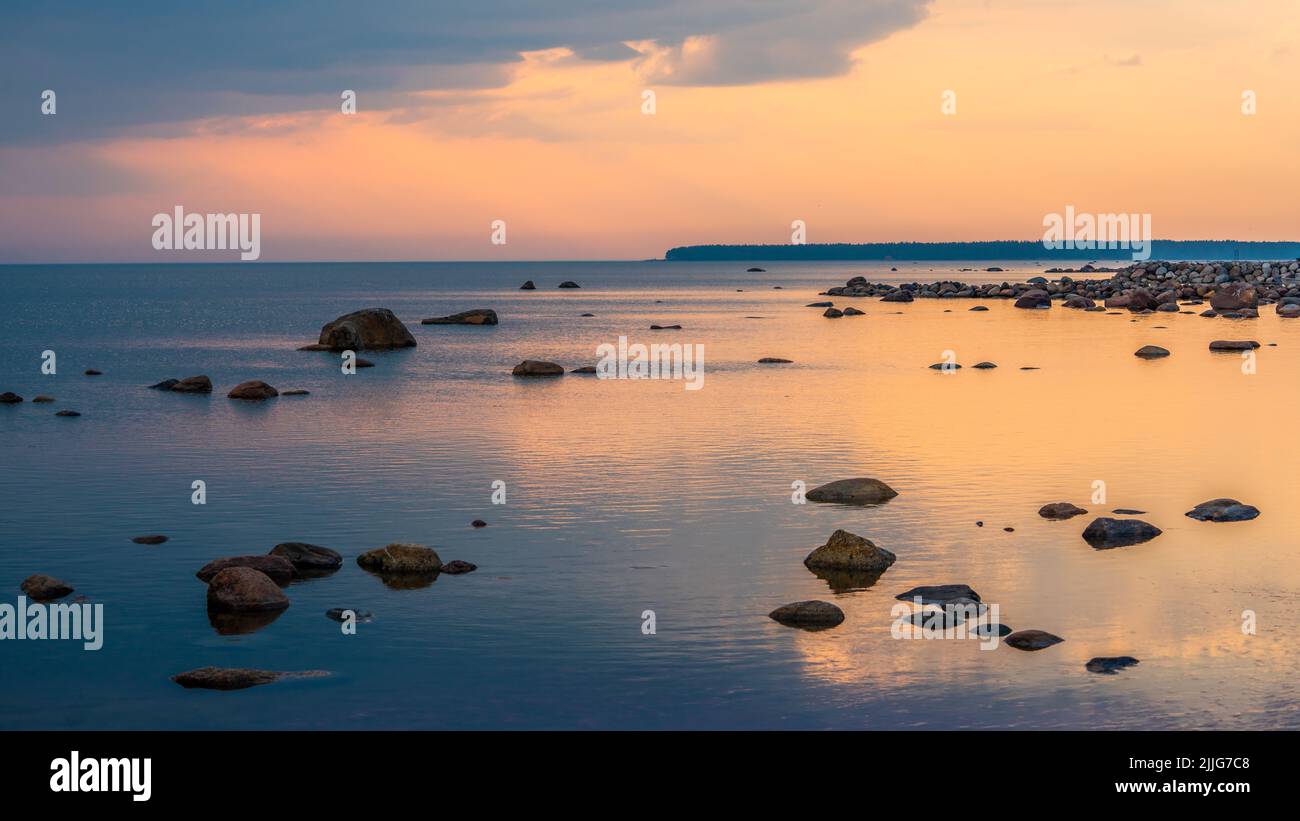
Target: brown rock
(45, 588)
(193, 384)
(401, 558)
(253, 390)
(238, 589)
(808, 614)
(847, 551)
(861, 491)
(1060, 510)
(367, 329)
(536, 367)
(277, 568)
(1234, 296)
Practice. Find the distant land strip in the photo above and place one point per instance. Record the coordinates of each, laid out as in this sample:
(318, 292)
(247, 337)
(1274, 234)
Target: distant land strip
(970, 251)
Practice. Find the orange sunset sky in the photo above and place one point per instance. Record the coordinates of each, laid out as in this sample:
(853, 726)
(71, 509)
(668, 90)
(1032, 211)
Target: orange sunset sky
(1109, 106)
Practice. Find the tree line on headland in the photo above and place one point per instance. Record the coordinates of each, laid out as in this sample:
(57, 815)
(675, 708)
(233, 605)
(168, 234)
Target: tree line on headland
(991, 250)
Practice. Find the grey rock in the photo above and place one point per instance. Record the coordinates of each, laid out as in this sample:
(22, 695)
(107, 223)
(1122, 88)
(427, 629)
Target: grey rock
(1104, 533)
(1223, 510)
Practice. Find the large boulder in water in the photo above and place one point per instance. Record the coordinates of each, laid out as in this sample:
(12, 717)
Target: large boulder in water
(812, 615)
(847, 551)
(1104, 533)
(1233, 296)
(367, 329)
(862, 491)
(1233, 345)
(277, 568)
(477, 316)
(1223, 510)
(401, 558)
(254, 390)
(240, 589)
(308, 558)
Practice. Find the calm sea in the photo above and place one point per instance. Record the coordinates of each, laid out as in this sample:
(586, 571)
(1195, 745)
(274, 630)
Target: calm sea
(628, 496)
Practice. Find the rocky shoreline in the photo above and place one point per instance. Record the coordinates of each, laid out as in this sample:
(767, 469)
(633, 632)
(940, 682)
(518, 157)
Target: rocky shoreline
(1153, 285)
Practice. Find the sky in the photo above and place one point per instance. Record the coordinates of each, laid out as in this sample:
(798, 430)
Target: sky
(764, 112)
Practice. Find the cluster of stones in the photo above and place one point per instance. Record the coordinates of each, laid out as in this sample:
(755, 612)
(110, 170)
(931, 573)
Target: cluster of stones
(850, 562)
(1232, 288)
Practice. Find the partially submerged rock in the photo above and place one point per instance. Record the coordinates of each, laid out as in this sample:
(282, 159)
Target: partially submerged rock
(44, 588)
(1151, 352)
(847, 551)
(367, 329)
(774, 360)
(254, 390)
(1109, 665)
(10, 398)
(851, 311)
(342, 614)
(401, 558)
(308, 558)
(1060, 510)
(277, 568)
(154, 539)
(942, 595)
(237, 678)
(1104, 532)
(1223, 510)
(457, 566)
(192, 384)
(528, 286)
(812, 614)
(1233, 345)
(861, 491)
(66, 412)
(536, 367)
(477, 316)
(240, 589)
(164, 385)
(568, 283)
(42, 399)
(832, 313)
(1032, 639)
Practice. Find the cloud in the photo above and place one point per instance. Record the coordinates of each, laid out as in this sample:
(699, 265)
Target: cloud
(154, 62)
